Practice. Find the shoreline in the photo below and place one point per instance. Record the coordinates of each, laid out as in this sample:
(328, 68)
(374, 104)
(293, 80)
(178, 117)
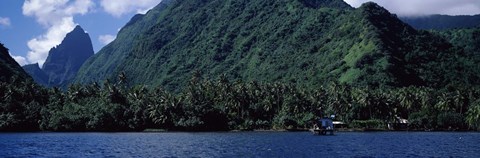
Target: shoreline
(153, 130)
(254, 131)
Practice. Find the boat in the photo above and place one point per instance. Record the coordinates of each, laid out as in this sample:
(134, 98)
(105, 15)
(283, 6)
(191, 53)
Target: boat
(323, 126)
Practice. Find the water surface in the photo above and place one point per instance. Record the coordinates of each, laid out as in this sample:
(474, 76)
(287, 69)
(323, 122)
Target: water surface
(241, 144)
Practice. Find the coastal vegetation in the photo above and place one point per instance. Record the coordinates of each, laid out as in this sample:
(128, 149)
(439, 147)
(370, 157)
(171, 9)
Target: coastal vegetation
(257, 64)
(220, 104)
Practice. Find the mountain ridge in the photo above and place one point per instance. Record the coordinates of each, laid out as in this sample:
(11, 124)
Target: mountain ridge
(271, 41)
(64, 60)
(443, 22)
(9, 69)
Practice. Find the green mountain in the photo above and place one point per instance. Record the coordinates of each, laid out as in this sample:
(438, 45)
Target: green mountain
(443, 22)
(64, 60)
(21, 99)
(468, 39)
(307, 42)
(9, 68)
(469, 42)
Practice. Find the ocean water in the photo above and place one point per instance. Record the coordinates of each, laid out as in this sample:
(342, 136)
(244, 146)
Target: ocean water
(241, 144)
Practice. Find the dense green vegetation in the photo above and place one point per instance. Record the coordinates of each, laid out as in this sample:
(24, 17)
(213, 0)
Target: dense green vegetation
(468, 39)
(21, 103)
(224, 105)
(18, 104)
(281, 64)
(306, 42)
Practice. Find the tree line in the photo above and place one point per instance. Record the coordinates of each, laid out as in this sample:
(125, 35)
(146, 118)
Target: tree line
(220, 105)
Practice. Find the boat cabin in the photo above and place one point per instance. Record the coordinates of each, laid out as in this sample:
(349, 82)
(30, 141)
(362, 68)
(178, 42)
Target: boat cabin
(323, 126)
(326, 123)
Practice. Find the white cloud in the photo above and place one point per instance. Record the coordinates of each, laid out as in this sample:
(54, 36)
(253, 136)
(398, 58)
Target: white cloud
(118, 8)
(57, 17)
(355, 3)
(5, 21)
(47, 12)
(41, 45)
(106, 39)
(425, 7)
(20, 60)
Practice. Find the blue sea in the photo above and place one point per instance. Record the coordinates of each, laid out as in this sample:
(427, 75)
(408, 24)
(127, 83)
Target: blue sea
(241, 144)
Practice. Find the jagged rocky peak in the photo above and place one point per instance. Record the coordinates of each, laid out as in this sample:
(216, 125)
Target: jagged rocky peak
(77, 32)
(78, 29)
(77, 46)
(64, 60)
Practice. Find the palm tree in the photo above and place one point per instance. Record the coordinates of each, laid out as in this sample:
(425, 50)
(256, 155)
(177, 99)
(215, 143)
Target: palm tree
(75, 93)
(473, 115)
(459, 100)
(164, 107)
(444, 102)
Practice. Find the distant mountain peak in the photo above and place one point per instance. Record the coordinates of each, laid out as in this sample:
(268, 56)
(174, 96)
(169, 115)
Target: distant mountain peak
(76, 33)
(64, 60)
(35, 64)
(36, 72)
(78, 28)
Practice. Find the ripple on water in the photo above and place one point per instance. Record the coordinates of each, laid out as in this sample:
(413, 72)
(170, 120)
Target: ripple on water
(240, 144)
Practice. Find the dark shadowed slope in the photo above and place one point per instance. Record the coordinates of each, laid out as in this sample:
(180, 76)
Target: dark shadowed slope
(9, 68)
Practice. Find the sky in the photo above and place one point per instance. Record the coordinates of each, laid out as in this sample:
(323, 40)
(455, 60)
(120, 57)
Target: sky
(30, 28)
(426, 7)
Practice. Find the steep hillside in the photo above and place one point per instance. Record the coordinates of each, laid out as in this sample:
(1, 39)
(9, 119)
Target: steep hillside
(467, 41)
(442, 22)
(307, 42)
(64, 60)
(36, 73)
(9, 68)
(21, 99)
